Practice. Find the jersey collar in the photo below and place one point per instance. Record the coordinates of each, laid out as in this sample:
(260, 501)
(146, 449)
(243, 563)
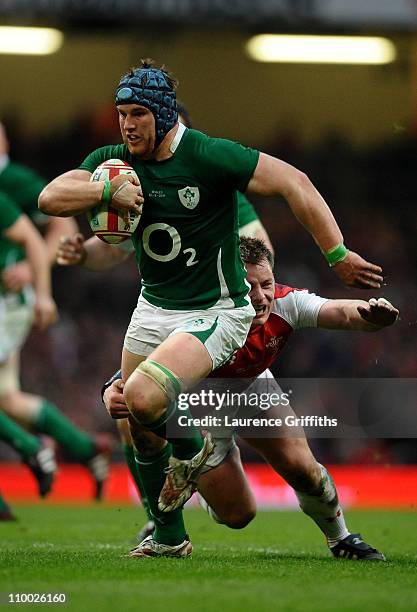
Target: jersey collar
(177, 138)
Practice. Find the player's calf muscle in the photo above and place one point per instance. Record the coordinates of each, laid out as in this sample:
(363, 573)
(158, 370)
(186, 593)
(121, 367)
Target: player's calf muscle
(146, 443)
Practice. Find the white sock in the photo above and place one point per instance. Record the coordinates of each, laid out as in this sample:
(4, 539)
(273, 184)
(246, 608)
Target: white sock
(325, 510)
(208, 509)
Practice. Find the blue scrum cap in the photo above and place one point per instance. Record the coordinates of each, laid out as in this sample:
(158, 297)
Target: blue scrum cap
(151, 88)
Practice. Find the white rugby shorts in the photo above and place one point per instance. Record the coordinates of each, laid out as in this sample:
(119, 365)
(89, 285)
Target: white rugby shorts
(222, 331)
(15, 323)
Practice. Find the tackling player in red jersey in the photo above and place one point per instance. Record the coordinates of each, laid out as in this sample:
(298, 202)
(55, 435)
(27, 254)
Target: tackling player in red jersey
(224, 490)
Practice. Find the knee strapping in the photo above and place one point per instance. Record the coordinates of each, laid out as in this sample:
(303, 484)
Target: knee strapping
(163, 377)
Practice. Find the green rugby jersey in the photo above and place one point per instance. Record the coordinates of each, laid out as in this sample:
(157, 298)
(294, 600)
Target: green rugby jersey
(247, 213)
(23, 187)
(187, 243)
(9, 214)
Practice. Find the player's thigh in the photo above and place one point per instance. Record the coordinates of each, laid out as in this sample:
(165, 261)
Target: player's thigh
(15, 323)
(202, 341)
(285, 448)
(182, 353)
(193, 344)
(187, 360)
(156, 334)
(186, 356)
(20, 406)
(190, 343)
(226, 490)
(130, 362)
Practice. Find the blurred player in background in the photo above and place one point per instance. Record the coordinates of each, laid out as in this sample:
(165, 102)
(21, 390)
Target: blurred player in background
(17, 312)
(226, 494)
(23, 187)
(20, 187)
(40, 459)
(193, 311)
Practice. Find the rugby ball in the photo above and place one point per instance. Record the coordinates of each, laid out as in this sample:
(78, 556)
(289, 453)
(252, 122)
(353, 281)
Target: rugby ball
(106, 222)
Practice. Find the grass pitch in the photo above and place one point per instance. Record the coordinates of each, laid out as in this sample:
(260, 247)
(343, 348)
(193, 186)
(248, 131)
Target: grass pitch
(279, 562)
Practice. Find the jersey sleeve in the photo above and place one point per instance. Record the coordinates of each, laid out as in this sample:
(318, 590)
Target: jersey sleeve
(23, 185)
(232, 163)
(308, 307)
(247, 213)
(299, 308)
(10, 213)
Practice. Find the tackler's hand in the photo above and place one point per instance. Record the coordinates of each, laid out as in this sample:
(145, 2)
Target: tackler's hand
(71, 250)
(379, 312)
(114, 401)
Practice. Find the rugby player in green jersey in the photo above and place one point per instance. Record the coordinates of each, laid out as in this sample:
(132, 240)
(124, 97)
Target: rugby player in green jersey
(94, 254)
(17, 311)
(21, 187)
(193, 311)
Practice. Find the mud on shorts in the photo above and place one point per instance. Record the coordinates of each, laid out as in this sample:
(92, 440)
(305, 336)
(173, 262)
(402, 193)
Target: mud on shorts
(222, 331)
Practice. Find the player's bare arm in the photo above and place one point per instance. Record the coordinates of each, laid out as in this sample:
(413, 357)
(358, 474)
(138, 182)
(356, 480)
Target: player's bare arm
(93, 254)
(357, 314)
(19, 274)
(275, 177)
(56, 228)
(24, 233)
(72, 193)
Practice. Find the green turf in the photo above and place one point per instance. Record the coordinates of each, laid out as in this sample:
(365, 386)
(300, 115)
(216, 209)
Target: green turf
(279, 562)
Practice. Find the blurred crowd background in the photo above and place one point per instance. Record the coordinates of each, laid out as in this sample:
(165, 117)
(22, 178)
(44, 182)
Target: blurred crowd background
(367, 177)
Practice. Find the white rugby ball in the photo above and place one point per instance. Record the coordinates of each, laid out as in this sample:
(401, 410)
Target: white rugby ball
(106, 222)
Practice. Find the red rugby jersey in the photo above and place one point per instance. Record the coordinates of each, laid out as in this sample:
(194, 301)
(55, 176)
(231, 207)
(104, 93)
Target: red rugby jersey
(292, 309)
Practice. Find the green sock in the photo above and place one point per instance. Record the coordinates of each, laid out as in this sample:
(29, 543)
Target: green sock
(134, 471)
(169, 526)
(166, 426)
(50, 420)
(20, 439)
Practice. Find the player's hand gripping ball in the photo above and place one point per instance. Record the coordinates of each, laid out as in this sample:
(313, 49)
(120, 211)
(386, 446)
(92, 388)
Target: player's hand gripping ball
(108, 223)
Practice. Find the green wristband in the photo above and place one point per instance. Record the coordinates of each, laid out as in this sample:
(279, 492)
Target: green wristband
(336, 254)
(106, 196)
